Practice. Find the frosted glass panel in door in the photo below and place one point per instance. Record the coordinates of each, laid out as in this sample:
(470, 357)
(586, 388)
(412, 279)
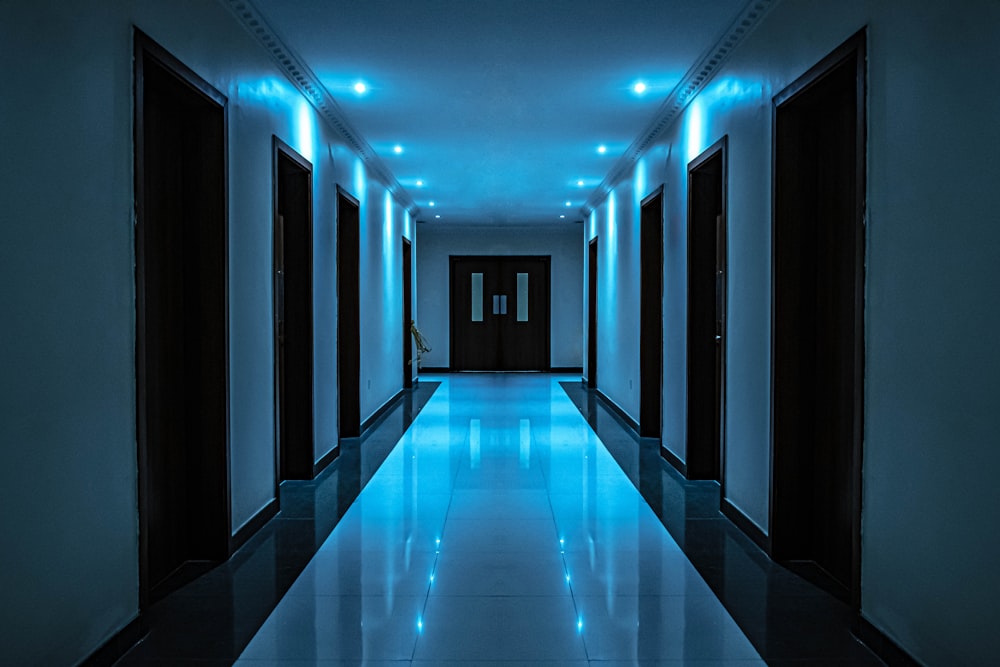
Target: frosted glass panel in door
(477, 297)
(522, 297)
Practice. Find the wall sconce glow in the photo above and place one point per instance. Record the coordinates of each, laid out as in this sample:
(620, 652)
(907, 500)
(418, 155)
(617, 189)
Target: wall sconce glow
(579, 625)
(602, 149)
(420, 624)
(639, 87)
(695, 128)
(360, 180)
(304, 131)
(360, 87)
(397, 149)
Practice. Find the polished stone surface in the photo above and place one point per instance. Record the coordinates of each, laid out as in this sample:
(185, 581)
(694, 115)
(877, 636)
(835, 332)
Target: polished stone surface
(500, 528)
(515, 521)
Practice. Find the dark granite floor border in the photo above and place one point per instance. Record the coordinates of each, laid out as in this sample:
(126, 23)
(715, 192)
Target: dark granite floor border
(788, 620)
(210, 621)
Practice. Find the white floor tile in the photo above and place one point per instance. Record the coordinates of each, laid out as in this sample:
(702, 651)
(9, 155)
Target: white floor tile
(499, 531)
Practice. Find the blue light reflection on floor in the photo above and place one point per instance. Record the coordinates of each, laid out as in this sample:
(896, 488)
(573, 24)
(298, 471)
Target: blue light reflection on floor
(502, 524)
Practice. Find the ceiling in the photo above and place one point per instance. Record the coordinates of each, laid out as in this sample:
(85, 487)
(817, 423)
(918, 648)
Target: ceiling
(499, 107)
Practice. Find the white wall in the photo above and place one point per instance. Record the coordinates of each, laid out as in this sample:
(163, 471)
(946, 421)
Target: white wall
(438, 242)
(67, 388)
(930, 456)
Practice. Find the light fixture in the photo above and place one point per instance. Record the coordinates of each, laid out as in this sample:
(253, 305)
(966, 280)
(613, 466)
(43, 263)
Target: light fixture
(562, 217)
(360, 87)
(437, 216)
(431, 204)
(569, 203)
(639, 87)
(602, 149)
(420, 184)
(580, 183)
(397, 149)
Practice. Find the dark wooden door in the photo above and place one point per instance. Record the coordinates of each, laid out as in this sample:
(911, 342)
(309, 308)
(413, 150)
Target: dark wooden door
(500, 313)
(651, 316)
(181, 321)
(706, 312)
(348, 315)
(293, 304)
(408, 369)
(592, 314)
(818, 327)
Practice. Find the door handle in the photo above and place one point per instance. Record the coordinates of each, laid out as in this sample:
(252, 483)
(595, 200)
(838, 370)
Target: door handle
(499, 304)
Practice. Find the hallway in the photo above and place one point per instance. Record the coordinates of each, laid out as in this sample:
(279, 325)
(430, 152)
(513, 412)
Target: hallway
(499, 528)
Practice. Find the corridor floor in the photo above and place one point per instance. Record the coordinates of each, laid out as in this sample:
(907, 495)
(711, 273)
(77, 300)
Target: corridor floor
(499, 529)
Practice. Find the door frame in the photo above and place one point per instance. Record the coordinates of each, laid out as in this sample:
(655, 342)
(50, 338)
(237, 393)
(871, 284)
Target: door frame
(592, 262)
(294, 460)
(702, 463)
(348, 315)
(651, 315)
(408, 358)
(855, 47)
(219, 540)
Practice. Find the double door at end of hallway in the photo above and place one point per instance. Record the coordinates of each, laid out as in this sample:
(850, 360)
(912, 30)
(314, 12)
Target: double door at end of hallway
(500, 313)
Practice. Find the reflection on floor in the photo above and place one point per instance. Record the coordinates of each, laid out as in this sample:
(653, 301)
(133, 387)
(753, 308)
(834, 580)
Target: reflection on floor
(500, 530)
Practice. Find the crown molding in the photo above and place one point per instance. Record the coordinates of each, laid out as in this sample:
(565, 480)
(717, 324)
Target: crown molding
(303, 78)
(693, 82)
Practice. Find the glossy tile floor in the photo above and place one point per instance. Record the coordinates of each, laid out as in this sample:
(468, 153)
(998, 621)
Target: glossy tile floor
(564, 540)
(499, 529)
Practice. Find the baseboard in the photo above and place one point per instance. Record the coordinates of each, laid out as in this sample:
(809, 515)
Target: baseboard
(326, 460)
(435, 369)
(374, 417)
(624, 416)
(880, 644)
(743, 522)
(674, 461)
(567, 370)
(118, 645)
(256, 522)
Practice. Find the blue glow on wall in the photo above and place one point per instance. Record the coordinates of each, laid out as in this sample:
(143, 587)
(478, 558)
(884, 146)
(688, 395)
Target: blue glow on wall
(694, 132)
(641, 180)
(360, 181)
(305, 130)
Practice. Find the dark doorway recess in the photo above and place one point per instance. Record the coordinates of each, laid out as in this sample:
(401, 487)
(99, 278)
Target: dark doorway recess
(500, 313)
(592, 314)
(293, 313)
(706, 334)
(651, 316)
(818, 318)
(182, 342)
(407, 314)
(348, 315)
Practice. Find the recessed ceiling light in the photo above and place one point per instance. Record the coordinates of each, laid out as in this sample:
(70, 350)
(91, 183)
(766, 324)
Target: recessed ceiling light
(580, 183)
(437, 216)
(639, 87)
(420, 184)
(569, 203)
(431, 204)
(563, 217)
(602, 149)
(360, 87)
(397, 149)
